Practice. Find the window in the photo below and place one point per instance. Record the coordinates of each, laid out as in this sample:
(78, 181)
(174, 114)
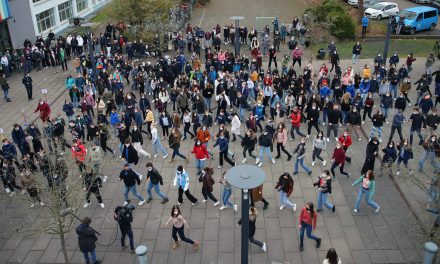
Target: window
(36, 1)
(45, 20)
(81, 5)
(65, 10)
(430, 14)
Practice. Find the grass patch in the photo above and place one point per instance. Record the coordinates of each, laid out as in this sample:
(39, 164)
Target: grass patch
(100, 17)
(420, 47)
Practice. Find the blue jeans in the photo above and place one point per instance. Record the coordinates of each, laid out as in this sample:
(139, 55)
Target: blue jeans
(207, 103)
(242, 112)
(200, 164)
(267, 149)
(6, 94)
(365, 192)
(128, 233)
(284, 200)
(304, 166)
(133, 190)
(158, 146)
(393, 90)
(308, 229)
(385, 111)
(156, 189)
(355, 58)
(225, 197)
(344, 117)
(373, 131)
(86, 256)
(322, 199)
(431, 156)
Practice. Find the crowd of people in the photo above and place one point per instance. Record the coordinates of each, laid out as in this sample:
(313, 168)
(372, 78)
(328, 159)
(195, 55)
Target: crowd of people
(215, 102)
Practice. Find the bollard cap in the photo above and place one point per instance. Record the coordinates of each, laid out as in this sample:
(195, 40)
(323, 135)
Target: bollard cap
(431, 247)
(141, 250)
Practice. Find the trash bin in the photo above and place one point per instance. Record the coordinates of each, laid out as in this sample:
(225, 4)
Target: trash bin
(321, 54)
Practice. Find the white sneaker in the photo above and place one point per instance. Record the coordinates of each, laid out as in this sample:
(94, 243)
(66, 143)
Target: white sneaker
(195, 203)
(219, 166)
(308, 136)
(12, 194)
(355, 210)
(328, 139)
(313, 164)
(125, 203)
(222, 207)
(324, 162)
(397, 173)
(387, 122)
(323, 123)
(149, 155)
(377, 210)
(41, 203)
(409, 104)
(215, 204)
(281, 207)
(155, 156)
(337, 139)
(104, 179)
(87, 205)
(141, 202)
(380, 140)
(102, 205)
(165, 156)
(140, 177)
(264, 247)
(363, 122)
(205, 201)
(23, 192)
(360, 139)
(260, 164)
(273, 161)
(8, 190)
(411, 172)
(244, 160)
(294, 207)
(32, 205)
(257, 160)
(235, 207)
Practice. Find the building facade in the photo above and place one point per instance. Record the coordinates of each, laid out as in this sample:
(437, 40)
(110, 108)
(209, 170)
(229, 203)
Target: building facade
(32, 18)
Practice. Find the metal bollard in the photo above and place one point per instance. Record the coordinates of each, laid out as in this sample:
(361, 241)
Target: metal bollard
(141, 252)
(430, 252)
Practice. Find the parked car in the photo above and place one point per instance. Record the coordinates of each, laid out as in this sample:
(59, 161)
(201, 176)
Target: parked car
(367, 3)
(422, 1)
(436, 4)
(419, 18)
(381, 10)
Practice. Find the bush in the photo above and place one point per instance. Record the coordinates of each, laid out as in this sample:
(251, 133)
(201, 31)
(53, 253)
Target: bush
(334, 17)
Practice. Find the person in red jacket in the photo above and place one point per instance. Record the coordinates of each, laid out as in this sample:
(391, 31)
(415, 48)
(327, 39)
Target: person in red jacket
(44, 109)
(295, 119)
(346, 142)
(79, 154)
(338, 159)
(307, 221)
(201, 154)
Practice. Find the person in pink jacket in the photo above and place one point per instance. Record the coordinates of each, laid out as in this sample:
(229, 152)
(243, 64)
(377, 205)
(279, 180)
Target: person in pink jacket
(296, 56)
(280, 137)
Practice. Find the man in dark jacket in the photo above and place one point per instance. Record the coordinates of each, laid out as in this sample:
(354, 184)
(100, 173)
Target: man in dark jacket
(155, 180)
(130, 179)
(86, 240)
(370, 155)
(124, 217)
(19, 138)
(223, 144)
(417, 121)
(130, 155)
(27, 82)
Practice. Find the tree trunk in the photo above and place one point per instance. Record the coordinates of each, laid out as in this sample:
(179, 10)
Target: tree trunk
(360, 10)
(62, 239)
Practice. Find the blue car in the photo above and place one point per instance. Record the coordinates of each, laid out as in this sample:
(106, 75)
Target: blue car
(418, 18)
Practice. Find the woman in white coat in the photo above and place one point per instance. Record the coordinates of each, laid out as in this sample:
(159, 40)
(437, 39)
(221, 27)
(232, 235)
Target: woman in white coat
(235, 129)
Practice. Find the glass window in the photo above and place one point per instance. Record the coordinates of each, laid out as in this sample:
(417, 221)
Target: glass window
(65, 10)
(36, 1)
(430, 14)
(81, 5)
(45, 20)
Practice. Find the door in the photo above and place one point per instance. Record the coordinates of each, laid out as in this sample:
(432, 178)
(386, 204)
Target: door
(419, 22)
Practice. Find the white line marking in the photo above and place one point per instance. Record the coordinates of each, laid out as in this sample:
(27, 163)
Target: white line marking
(203, 15)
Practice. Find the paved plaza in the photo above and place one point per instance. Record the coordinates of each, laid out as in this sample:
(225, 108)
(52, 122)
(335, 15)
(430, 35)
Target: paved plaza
(390, 236)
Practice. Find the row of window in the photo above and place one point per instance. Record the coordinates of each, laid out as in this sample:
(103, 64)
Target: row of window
(46, 19)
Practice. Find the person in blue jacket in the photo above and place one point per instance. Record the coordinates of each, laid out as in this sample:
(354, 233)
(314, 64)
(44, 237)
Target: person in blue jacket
(223, 144)
(68, 108)
(365, 22)
(19, 138)
(367, 188)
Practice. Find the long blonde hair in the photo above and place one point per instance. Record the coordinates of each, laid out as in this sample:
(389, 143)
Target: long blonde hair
(345, 98)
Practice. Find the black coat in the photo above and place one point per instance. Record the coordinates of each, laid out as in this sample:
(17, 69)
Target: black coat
(155, 177)
(133, 156)
(136, 136)
(86, 238)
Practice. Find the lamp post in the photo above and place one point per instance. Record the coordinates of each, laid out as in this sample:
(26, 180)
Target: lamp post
(245, 177)
(237, 33)
(387, 40)
(91, 51)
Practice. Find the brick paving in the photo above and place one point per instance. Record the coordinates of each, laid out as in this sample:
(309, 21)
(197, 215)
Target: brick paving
(364, 237)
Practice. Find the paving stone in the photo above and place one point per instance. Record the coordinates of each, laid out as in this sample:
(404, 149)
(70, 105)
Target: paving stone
(33, 257)
(353, 237)
(360, 256)
(191, 258)
(377, 256)
(22, 250)
(226, 241)
(211, 230)
(394, 256)
(210, 251)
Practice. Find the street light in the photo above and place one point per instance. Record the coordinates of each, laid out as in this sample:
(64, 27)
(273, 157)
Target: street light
(245, 177)
(237, 33)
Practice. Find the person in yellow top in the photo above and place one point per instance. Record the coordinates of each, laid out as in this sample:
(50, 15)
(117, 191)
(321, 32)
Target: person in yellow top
(149, 119)
(367, 72)
(254, 76)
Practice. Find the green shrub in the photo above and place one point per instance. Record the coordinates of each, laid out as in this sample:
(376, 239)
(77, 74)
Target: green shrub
(342, 26)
